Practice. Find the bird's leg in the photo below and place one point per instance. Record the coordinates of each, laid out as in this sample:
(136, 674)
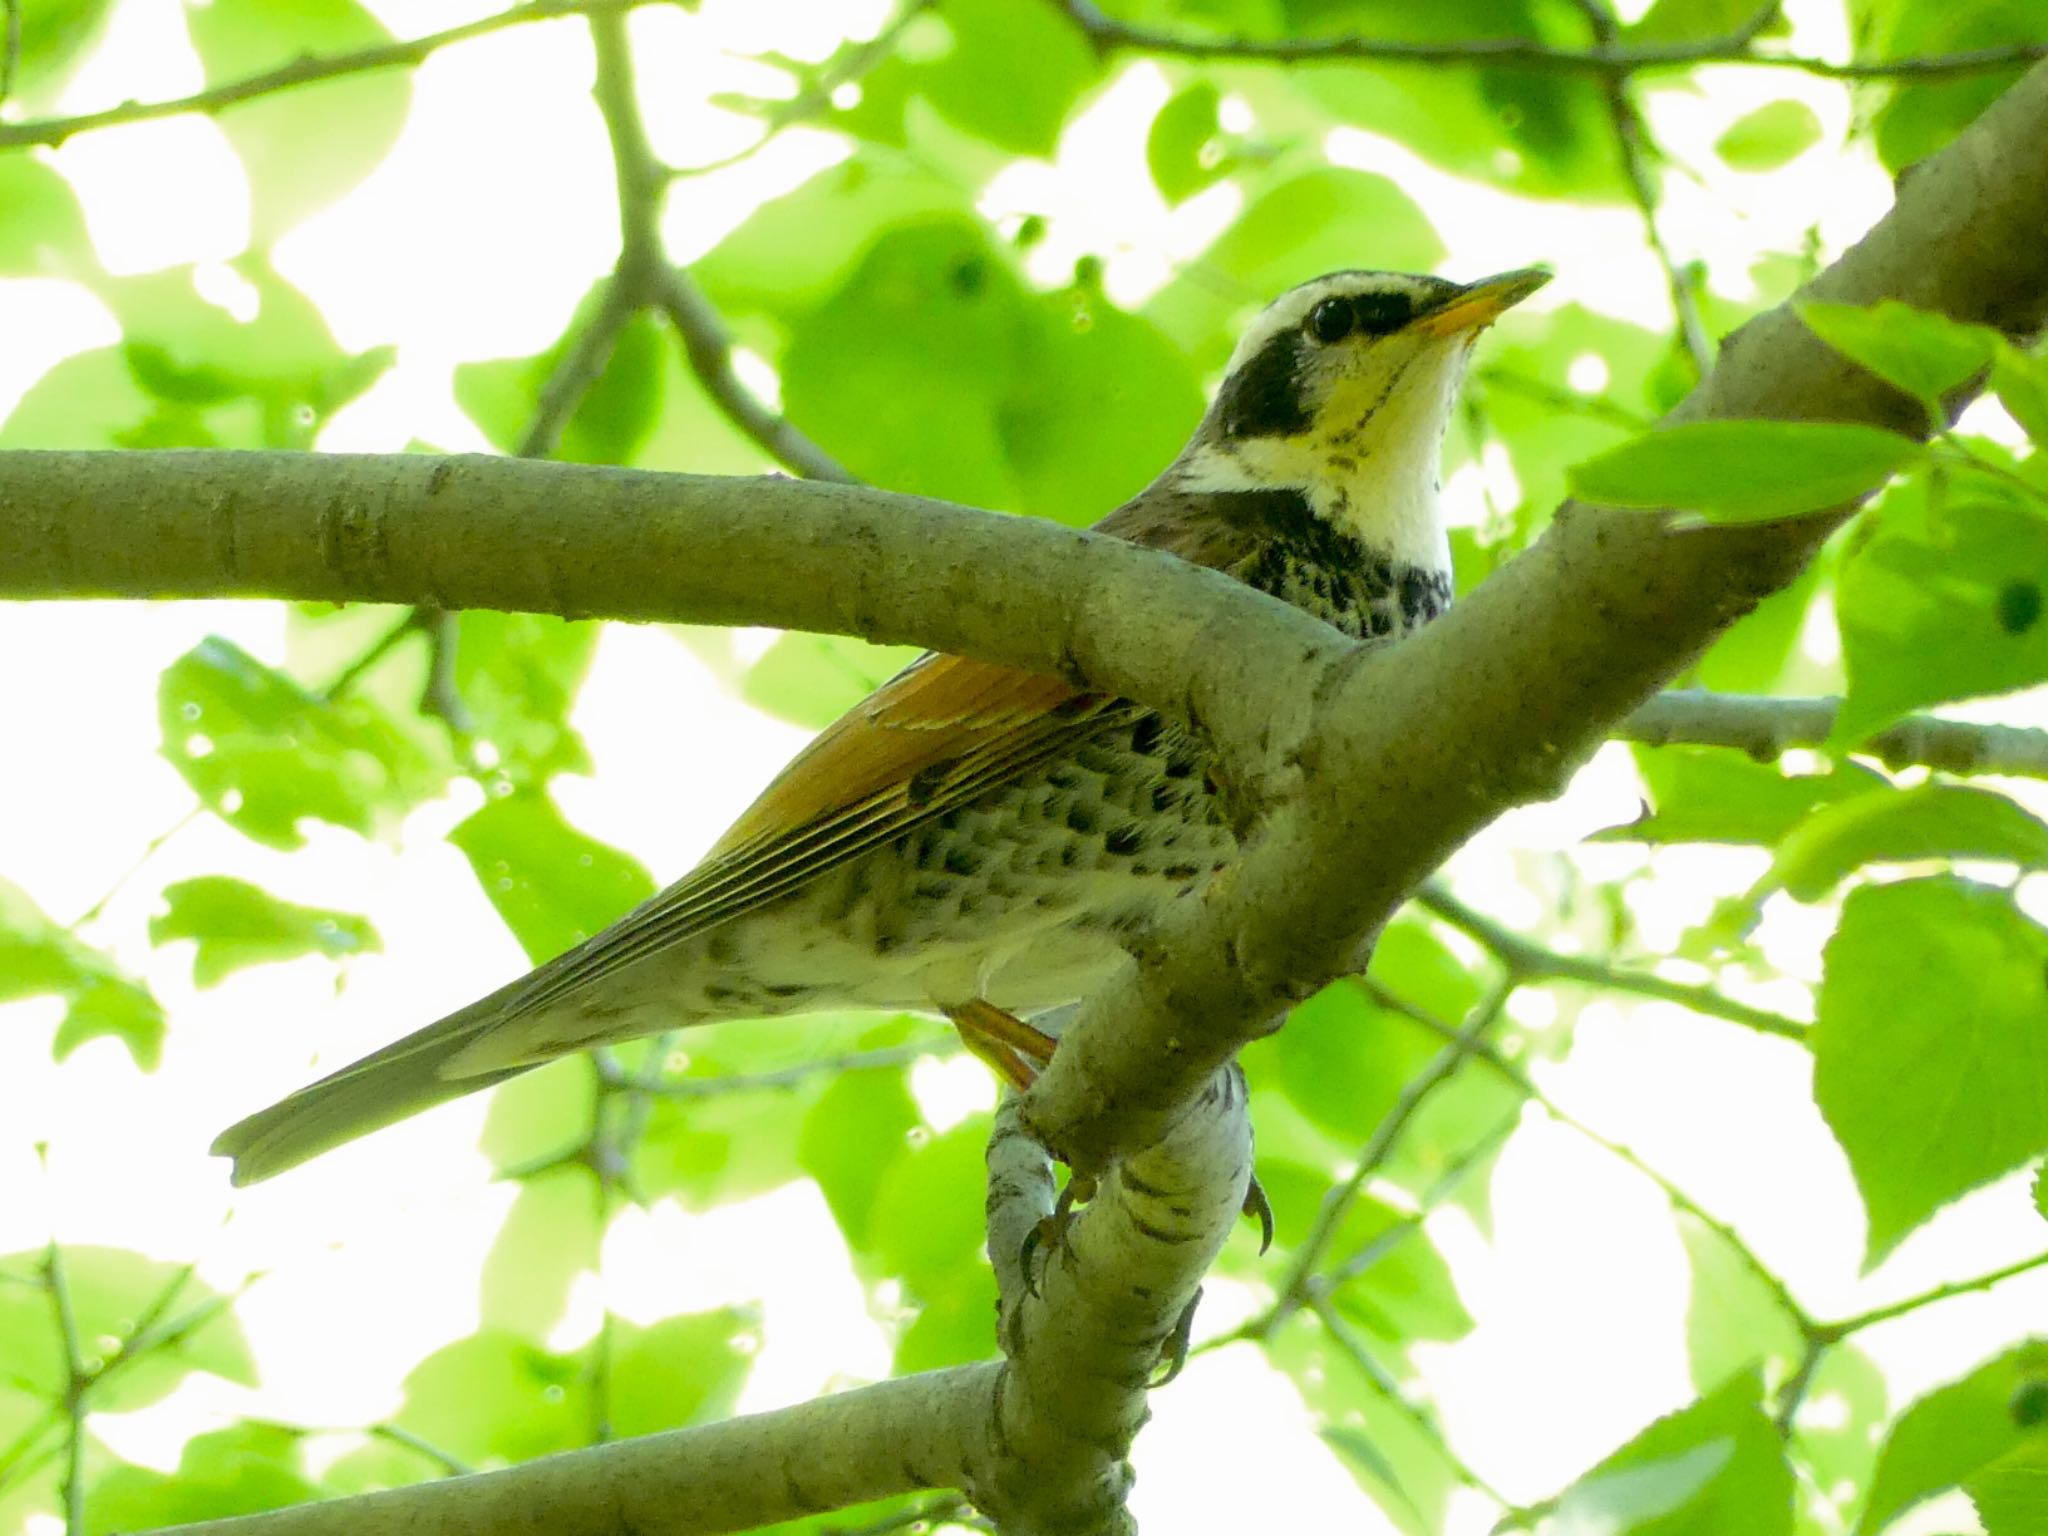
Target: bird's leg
(1018, 1053)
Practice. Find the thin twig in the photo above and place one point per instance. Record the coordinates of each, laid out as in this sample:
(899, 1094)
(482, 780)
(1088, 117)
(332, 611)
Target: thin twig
(1337, 1203)
(1532, 962)
(815, 99)
(1516, 1078)
(1837, 1331)
(309, 70)
(1424, 1422)
(647, 277)
(1639, 156)
(1766, 728)
(10, 48)
(1109, 34)
(76, 1381)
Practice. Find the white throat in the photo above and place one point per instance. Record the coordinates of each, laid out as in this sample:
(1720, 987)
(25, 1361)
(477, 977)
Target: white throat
(1375, 471)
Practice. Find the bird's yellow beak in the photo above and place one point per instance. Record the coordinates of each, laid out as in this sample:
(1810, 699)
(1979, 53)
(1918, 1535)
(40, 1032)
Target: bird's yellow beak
(1482, 302)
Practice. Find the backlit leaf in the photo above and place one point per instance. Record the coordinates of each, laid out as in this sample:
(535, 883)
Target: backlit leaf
(1745, 471)
(1929, 821)
(1775, 134)
(1948, 1436)
(1930, 1062)
(552, 885)
(40, 959)
(1709, 1469)
(236, 924)
(287, 140)
(1924, 354)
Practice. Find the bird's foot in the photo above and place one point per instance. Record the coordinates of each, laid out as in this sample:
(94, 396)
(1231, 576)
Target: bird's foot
(1174, 1354)
(1053, 1233)
(1257, 1206)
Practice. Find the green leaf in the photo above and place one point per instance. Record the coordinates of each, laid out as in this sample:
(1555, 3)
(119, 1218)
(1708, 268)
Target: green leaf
(1531, 133)
(89, 400)
(1012, 72)
(1734, 1322)
(1395, 1462)
(2041, 1192)
(244, 1469)
(1924, 354)
(1920, 117)
(1775, 134)
(1709, 1469)
(236, 924)
(903, 373)
(1939, 603)
(55, 37)
(954, 1324)
(615, 415)
(1708, 795)
(1405, 1293)
(853, 1138)
(264, 754)
(517, 674)
(1948, 1436)
(216, 379)
(1182, 148)
(1745, 471)
(1322, 221)
(1343, 1060)
(492, 1396)
(927, 1217)
(1693, 21)
(798, 249)
(814, 679)
(1930, 821)
(2011, 1494)
(2020, 381)
(40, 959)
(44, 231)
(113, 1293)
(552, 885)
(1838, 1428)
(1930, 1062)
(933, 370)
(551, 1236)
(288, 141)
(681, 1370)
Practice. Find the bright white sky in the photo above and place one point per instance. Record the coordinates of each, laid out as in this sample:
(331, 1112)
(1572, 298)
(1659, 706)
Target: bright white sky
(1581, 1286)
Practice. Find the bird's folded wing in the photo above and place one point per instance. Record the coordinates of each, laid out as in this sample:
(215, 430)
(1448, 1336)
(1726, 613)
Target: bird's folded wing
(940, 733)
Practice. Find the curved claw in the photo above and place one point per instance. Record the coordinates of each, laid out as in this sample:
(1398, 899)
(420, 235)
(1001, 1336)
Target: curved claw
(1256, 1204)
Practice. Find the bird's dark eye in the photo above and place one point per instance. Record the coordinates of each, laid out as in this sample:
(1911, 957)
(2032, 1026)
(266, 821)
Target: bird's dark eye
(1330, 320)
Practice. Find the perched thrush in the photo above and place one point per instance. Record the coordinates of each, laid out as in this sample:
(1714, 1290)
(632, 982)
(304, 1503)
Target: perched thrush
(985, 842)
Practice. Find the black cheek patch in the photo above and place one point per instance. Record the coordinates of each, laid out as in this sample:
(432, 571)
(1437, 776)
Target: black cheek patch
(1263, 398)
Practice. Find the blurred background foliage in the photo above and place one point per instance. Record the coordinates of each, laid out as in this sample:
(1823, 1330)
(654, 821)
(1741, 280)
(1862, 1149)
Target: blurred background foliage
(1811, 939)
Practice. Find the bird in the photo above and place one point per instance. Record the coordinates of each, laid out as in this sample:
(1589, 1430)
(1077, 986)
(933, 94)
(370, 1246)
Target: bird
(984, 842)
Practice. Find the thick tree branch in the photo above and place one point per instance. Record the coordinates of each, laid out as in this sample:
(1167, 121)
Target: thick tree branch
(1739, 47)
(307, 70)
(869, 1443)
(1404, 754)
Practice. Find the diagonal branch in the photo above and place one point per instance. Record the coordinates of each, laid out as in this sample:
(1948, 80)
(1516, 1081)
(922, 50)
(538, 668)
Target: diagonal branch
(1111, 35)
(307, 70)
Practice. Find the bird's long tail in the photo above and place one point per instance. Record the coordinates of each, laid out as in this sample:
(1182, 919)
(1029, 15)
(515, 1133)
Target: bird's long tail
(407, 1076)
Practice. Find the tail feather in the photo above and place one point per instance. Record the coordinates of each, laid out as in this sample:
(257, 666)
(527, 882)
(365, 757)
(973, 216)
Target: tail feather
(386, 1086)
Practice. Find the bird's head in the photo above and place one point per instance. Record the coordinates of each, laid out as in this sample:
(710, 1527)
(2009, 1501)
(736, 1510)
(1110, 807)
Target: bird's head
(1341, 389)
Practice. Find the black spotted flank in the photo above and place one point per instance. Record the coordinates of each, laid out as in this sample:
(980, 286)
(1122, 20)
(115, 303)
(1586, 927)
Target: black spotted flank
(1263, 398)
(1424, 595)
(1125, 840)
